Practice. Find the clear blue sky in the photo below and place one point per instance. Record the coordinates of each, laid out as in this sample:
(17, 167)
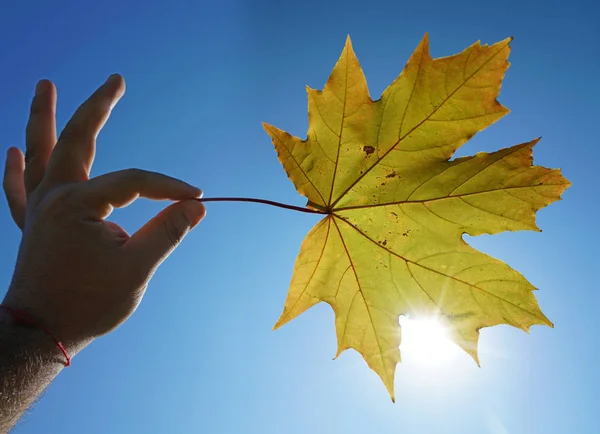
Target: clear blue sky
(199, 354)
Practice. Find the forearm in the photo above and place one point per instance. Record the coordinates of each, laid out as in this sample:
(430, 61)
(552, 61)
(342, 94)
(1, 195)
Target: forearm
(29, 361)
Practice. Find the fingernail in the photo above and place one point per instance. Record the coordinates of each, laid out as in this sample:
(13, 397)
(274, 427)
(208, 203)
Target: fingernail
(112, 78)
(10, 150)
(41, 87)
(195, 211)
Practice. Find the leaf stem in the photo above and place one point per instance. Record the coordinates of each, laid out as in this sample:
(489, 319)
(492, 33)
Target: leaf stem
(263, 201)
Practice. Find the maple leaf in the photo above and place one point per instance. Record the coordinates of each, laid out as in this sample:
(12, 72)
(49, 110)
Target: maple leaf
(397, 205)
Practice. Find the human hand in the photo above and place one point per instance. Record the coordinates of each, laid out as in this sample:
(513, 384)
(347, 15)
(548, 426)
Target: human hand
(77, 273)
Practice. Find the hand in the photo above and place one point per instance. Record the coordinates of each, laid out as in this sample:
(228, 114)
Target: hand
(77, 273)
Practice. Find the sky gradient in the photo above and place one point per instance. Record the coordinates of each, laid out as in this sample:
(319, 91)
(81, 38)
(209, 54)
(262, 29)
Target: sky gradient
(199, 354)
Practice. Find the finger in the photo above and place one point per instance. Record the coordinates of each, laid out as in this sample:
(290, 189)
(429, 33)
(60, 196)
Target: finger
(118, 189)
(72, 158)
(151, 245)
(40, 134)
(13, 185)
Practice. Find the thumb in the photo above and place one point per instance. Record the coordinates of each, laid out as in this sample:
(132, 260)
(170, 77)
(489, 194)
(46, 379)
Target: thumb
(154, 241)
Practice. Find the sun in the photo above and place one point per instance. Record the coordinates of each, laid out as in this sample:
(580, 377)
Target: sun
(426, 340)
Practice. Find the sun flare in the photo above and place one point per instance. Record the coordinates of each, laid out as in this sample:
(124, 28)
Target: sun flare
(426, 340)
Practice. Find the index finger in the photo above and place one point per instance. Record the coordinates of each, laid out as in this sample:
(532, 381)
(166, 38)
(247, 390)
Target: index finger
(74, 153)
(101, 194)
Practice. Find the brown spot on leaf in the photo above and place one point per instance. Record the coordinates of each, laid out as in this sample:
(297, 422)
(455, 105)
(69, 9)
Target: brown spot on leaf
(390, 175)
(368, 150)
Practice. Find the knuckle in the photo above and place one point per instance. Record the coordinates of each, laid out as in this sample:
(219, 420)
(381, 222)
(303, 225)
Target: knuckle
(29, 156)
(59, 202)
(174, 229)
(10, 200)
(8, 188)
(136, 177)
(38, 106)
(72, 132)
(171, 232)
(134, 173)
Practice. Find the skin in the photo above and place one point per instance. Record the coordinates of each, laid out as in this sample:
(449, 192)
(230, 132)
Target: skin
(78, 274)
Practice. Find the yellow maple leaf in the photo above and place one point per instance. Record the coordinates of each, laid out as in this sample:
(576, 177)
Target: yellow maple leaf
(397, 206)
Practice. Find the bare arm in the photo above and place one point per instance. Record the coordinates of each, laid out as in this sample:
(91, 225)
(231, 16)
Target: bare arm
(79, 275)
(29, 361)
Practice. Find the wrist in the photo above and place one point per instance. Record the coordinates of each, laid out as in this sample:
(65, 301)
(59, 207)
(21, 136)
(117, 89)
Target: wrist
(29, 361)
(29, 343)
(37, 315)
(34, 337)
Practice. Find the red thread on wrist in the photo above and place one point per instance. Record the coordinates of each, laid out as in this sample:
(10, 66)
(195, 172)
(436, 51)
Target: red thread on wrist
(23, 318)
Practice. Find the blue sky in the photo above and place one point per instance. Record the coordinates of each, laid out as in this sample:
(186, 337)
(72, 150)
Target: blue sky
(199, 354)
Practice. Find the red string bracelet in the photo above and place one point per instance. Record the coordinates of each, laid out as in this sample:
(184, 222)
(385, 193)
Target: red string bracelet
(23, 318)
